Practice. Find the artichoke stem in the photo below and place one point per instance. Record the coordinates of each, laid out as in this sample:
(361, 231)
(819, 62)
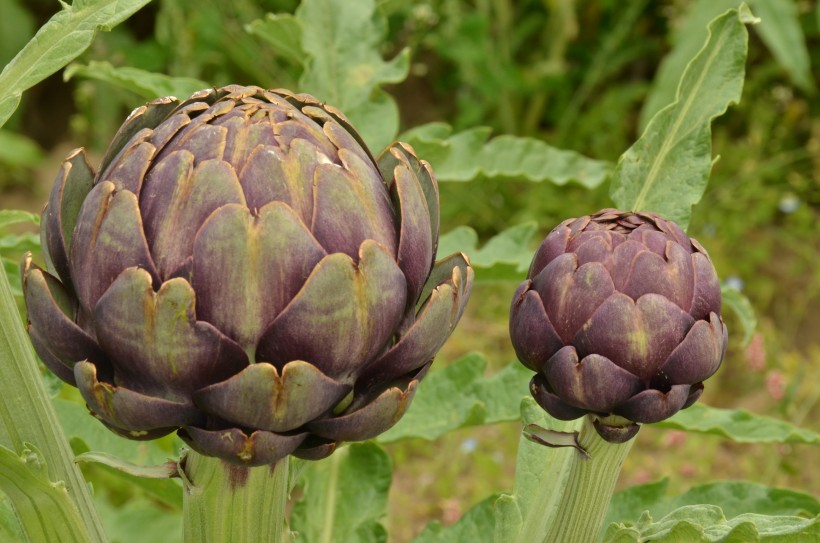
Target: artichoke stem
(225, 503)
(589, 487)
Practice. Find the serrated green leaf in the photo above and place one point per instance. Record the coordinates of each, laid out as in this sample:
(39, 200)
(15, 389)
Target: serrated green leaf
(734, 497)
(779, 29)
(739, 425)
(667, 169)
(707, 524)
(283, 32)
(345, 497)
(459, 395)
(505, 257)
(468, 155)
(148, 85)
(17, 150)
(476, 526)
(742, 307)
(442, 402)
(67, 34)
(16, 216)
(43, 506)
(345, 69)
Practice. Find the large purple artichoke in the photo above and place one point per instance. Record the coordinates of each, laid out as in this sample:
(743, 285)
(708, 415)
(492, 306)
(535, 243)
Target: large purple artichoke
(620, 315)
(242, 270)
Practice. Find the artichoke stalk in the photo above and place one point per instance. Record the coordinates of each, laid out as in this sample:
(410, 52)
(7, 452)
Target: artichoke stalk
(243, 271)
(619, 318)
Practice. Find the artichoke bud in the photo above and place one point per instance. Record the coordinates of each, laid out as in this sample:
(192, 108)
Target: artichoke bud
(243, 271)
(620, 318)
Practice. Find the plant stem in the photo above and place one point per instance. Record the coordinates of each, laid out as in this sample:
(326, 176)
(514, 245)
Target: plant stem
(27, 416)
(224, 503)
(590, 484)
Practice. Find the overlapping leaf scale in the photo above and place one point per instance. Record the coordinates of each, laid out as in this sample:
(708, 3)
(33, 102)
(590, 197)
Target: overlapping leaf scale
(621, 314)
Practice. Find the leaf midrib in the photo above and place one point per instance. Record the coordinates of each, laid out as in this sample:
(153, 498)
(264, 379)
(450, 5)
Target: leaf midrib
(667, 145)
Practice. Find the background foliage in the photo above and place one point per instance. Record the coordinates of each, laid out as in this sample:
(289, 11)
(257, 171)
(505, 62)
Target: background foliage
(523, 108)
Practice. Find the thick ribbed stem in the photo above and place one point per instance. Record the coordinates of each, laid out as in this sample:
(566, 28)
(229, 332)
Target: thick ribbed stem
(590, 484)
(27, 416)
(224, 503)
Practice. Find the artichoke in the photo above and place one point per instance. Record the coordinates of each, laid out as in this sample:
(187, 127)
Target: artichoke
(243, 271)
(619, 317)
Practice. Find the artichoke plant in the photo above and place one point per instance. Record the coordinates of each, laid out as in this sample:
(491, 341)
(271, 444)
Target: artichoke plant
(242, 270)
(619, 315)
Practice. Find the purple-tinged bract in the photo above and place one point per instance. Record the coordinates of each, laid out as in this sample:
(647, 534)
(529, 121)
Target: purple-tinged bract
(619, 315)
(242, 270)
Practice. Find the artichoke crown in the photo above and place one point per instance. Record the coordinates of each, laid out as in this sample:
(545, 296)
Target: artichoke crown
(242, 270)
(620, 315)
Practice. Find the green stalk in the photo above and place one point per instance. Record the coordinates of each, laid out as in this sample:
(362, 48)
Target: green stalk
(27, 416)
(590, 484)
(224, 503)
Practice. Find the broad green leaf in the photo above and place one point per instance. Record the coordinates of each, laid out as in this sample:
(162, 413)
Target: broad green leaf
(345, 68)
(148, 85)
(734, 497)
(19, 243)
(67, 34)
(476, 526)
(88, 434)
(739, 425)
(140, 521)
(667, 169)
(374, 120)
(707, 524)
(505, 257)
(43, 506)
(345, 497)
(283, 32)
(779, 29)
(468, 155)
(442, 402)
(10, 529)
(17, 150)
(742, 307)
(16, 216)
(15, 245)
(459, 395)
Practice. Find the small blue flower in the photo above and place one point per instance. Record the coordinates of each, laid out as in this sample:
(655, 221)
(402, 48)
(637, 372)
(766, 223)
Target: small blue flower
(735, 283)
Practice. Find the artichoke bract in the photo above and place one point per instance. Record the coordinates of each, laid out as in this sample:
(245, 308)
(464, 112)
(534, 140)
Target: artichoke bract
(242, 270)
(620, 318)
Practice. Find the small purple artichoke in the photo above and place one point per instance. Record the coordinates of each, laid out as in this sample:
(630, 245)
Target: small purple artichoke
(242, 270)
(620, 315)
